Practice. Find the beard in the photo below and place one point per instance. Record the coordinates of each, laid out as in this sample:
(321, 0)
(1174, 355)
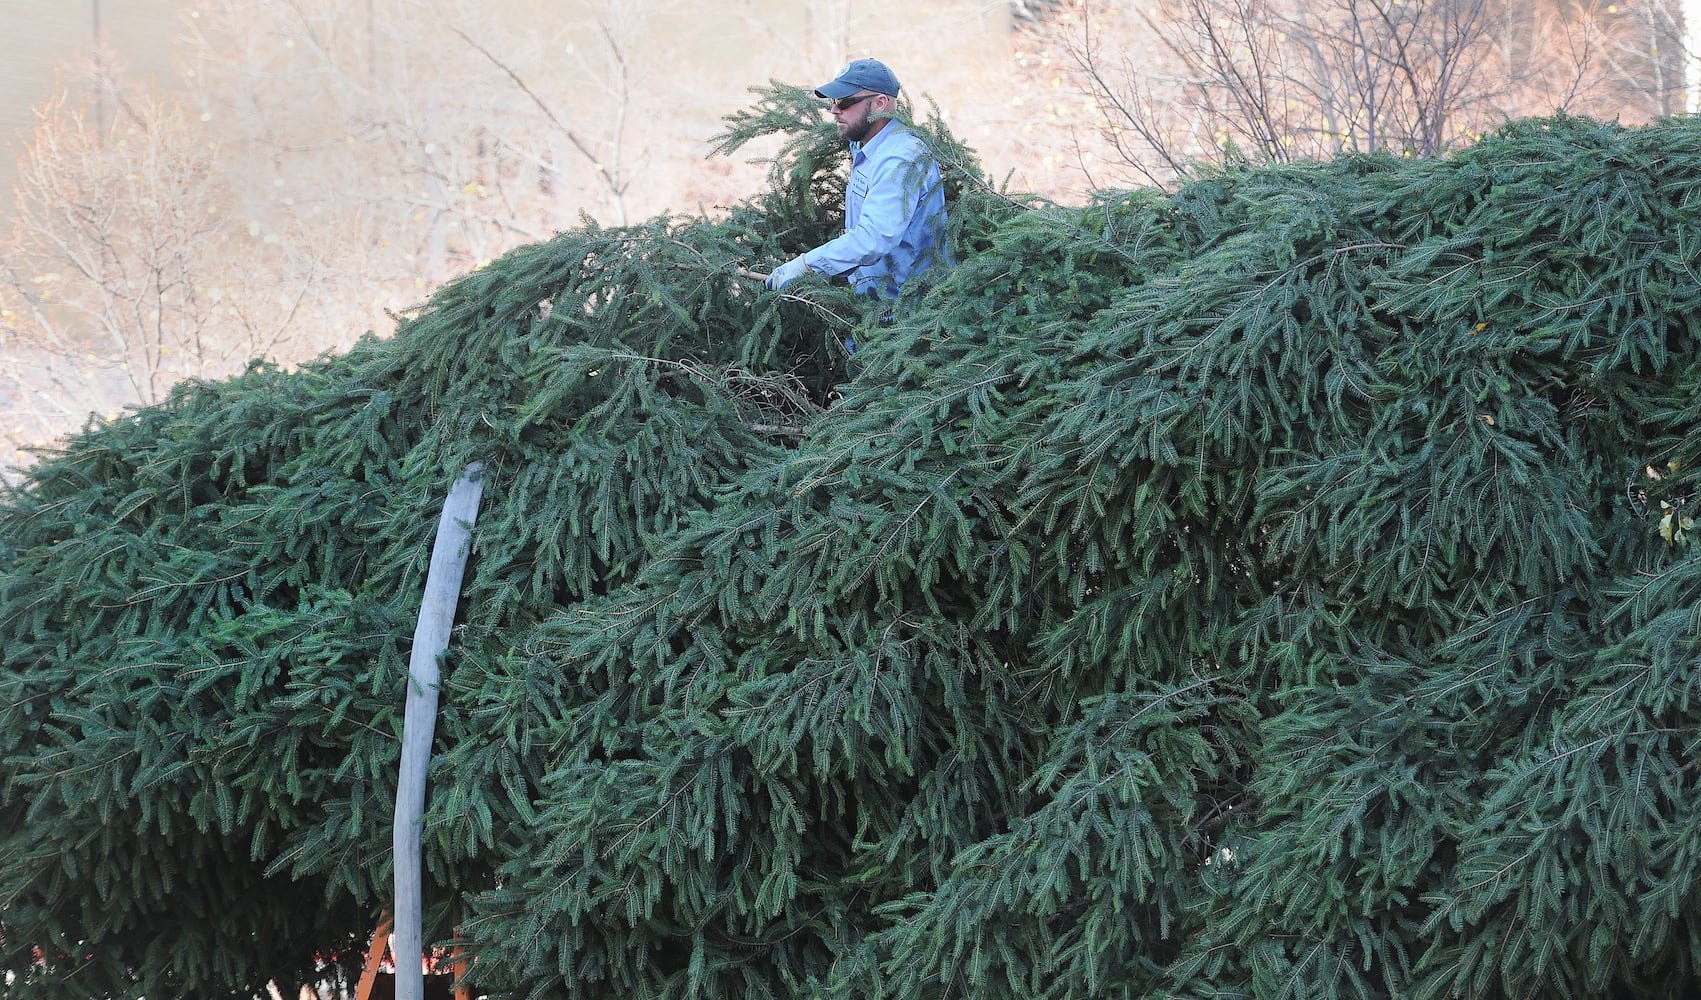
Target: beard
(857, 131)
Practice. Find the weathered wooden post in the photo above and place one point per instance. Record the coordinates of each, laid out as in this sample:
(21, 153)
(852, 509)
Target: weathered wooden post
(419, 721)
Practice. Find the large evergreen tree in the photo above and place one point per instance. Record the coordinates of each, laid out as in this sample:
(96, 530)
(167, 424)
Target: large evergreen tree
(1277, 587)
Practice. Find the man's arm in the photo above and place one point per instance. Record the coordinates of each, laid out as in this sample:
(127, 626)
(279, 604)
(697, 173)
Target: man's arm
(893, 194)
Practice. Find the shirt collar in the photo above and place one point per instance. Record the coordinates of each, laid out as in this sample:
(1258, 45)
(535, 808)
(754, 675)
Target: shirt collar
(863, 148)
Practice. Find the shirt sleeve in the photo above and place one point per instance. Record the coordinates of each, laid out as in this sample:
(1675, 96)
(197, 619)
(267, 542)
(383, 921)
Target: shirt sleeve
(886, 208)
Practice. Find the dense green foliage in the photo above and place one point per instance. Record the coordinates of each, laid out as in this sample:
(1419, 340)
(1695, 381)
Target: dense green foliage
(1255, 590)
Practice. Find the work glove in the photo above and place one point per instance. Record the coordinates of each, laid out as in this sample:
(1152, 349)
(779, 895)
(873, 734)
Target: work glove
(786, 273)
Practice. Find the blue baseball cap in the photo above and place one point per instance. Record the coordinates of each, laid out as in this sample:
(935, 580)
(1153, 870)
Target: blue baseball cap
(860, 74)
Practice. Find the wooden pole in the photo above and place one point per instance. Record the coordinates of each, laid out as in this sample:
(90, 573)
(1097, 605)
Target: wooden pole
(374, 957)
(419, 720)
(458, 966)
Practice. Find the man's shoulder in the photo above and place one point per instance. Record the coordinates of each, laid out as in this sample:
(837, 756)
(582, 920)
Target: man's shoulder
(898, 141)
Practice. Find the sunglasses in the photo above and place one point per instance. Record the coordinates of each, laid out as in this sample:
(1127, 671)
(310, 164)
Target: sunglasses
(846, 103)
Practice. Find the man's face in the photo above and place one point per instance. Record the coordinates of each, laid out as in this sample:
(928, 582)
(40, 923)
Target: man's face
(854, 115)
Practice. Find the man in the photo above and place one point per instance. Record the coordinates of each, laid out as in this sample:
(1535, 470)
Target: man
(894, 202)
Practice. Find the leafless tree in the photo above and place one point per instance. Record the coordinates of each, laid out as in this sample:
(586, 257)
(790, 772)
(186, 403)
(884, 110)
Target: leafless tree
(1640, 54)
(1277, 80)
(605, 68)
(448, 135)
(125, 270)
(326, 164)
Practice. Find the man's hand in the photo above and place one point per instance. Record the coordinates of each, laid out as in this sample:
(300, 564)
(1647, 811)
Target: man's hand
(786, 273)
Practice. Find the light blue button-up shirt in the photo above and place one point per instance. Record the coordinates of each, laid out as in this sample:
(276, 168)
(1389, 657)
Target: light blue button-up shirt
(894, 215)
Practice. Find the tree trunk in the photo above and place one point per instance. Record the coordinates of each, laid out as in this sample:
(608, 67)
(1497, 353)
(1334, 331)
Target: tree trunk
(430, 639)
